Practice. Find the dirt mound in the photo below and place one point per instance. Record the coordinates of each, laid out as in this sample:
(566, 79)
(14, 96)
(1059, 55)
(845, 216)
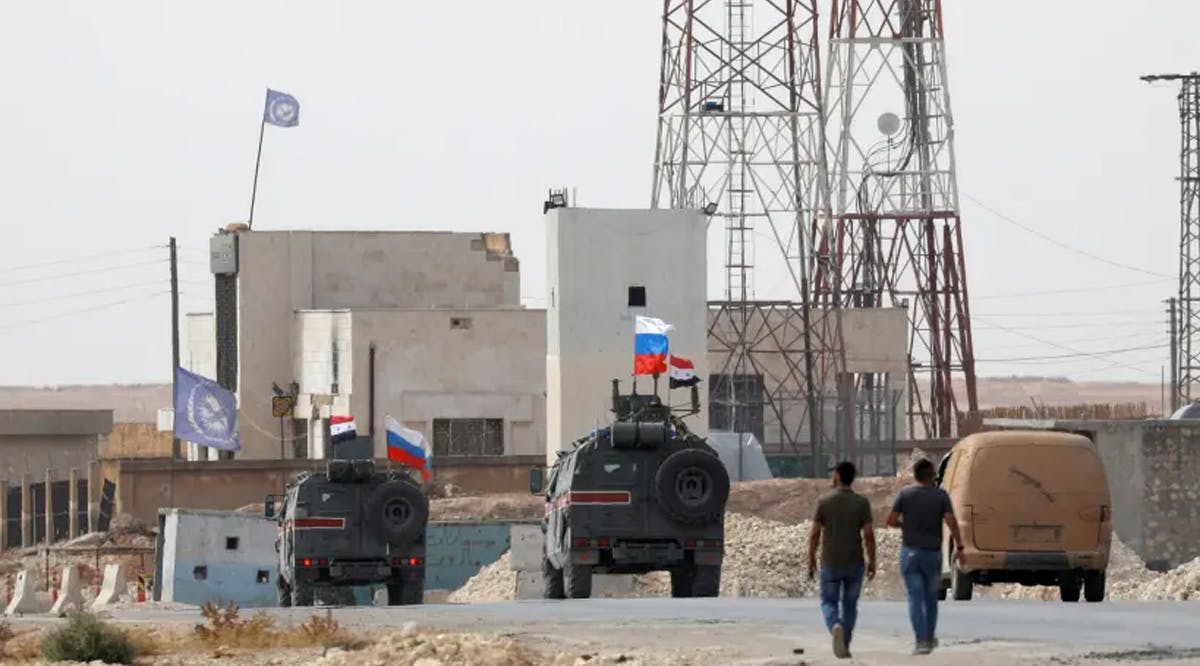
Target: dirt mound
(507, 506)
(495, 582)
(792, 501)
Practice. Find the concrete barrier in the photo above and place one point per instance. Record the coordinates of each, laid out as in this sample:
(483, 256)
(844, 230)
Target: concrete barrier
(70, 592)
(24, 599)
(525, 553)
(112, 587)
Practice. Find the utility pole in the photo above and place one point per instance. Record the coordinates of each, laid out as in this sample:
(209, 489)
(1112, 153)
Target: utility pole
(1174, 357)
(174, 335)
(1185, 308)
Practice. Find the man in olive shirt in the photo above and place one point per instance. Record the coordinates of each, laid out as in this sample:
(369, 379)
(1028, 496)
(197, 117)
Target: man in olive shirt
(843, 519)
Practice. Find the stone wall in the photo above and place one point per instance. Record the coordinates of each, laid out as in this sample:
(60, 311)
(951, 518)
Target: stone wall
(1171, 472)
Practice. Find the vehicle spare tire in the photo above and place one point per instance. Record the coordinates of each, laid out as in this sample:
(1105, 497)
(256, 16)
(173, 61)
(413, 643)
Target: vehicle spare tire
(397, 511)
(692, 486)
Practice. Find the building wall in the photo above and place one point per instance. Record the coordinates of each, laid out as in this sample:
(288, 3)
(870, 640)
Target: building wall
(200, 355)
(145, 486)
(136, 440)
(199, 566)
(594, 255)
(281, 272)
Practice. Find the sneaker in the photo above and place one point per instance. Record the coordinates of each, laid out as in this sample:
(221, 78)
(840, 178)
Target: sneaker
(922, 648)
(933, 644)
(839, 642)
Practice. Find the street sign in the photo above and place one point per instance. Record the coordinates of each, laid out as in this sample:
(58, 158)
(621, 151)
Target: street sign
(281, 405)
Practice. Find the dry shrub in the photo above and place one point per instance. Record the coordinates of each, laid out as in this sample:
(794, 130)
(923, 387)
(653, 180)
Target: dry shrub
(6, 634)
(226, 629)
(86, 637)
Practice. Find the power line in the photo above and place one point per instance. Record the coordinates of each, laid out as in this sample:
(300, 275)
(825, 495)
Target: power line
(71, 313)
(59, 276)
(103, 255)
(1097, 355)
(1090, 324)
(77, 294)
(1060, 357)
(1065, 246)
(1061, 313)
(1074, 290)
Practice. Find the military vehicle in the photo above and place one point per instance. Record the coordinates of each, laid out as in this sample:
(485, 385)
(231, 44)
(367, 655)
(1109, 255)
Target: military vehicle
(643, 494)
(348, 527)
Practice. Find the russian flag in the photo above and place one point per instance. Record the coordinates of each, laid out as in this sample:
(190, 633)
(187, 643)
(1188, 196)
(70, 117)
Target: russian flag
(650, 346)
(407, 447)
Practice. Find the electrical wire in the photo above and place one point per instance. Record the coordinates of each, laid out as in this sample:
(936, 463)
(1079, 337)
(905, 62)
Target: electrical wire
(1066, 246)
(1072, 290)
(77, 294)
(93, 271)
(1089, 324)
(1059, 357)
(1067, 313)
(1072, 350)
(102, 255)
(71, 313)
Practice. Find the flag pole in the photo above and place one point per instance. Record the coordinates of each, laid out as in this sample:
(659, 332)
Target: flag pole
(262, 129)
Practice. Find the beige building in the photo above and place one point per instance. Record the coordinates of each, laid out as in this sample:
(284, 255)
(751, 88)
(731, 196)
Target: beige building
(426, 327)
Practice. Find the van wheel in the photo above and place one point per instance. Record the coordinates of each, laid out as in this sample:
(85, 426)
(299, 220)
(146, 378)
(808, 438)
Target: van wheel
(577, 579)
(1069, 587)
(1093, 585)
(961, 585)
(552, 581)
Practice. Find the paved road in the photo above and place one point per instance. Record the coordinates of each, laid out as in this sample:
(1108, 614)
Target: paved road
(765, 628)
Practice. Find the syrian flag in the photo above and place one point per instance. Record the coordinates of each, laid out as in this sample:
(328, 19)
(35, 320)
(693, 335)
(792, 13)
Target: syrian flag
(341, 429)
(683, 372)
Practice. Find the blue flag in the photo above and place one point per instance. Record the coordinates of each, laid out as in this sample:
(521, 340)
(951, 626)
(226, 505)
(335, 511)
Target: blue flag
(205, 413)
(282, 109)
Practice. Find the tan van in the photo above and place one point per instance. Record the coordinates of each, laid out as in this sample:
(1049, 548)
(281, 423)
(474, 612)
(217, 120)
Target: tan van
(1033, 508)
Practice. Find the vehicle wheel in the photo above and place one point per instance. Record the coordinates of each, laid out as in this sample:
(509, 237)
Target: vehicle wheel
(285, 593)
(692, 486)
(302, 595)
(706, 580)
(552, 581)
(1069, 588)
(397, 511)
(681, 581)
(577, 579)
(961, 585)
(1093, 585)
(409, 593)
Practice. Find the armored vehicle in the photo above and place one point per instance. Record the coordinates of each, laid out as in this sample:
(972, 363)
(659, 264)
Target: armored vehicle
(643, 494)
(350, 526)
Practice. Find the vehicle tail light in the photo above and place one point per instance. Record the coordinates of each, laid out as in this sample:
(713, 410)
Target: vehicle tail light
(306, 562)
(603, 543)
(691, 543)
(414, 561)
(581, 542)
(322, 562)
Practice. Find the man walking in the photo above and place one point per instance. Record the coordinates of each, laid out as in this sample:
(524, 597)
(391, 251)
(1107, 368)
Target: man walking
(919, 511)
(841, 526)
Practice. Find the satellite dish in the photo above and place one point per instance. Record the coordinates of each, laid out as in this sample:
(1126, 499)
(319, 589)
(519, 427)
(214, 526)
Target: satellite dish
(888, 123)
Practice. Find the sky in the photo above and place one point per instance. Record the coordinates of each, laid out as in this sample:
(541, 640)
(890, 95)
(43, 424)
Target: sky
(124, 123)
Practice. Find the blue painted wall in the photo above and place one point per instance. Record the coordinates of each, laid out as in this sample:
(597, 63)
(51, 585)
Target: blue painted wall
(453, 553)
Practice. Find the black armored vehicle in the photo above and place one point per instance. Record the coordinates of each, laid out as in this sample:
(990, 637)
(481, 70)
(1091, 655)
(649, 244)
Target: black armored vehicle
(643, 494)
(347, 527)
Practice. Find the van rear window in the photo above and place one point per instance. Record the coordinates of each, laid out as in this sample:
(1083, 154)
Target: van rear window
(1052, 469)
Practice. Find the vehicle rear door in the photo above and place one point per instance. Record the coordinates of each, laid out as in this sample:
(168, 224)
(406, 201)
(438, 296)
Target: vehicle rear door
(1036, 498)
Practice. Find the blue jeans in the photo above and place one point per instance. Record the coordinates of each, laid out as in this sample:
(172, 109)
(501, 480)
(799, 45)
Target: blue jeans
(841, 584)
(922, 571)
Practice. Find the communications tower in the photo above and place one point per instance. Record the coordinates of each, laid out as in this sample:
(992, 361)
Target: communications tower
(739, 135)
(896, 239)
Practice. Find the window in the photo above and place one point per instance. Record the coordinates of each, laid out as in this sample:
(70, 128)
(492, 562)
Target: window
(460, 323)
(637, 297)
(231, 543)
(200, 573)
(468, 437)
(263, 576)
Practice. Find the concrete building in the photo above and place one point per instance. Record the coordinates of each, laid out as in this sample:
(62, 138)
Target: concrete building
(424, 326)
(604, 267)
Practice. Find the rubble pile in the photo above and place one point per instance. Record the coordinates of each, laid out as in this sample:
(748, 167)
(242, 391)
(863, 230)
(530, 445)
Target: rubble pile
(1179, 584)
(495, 582)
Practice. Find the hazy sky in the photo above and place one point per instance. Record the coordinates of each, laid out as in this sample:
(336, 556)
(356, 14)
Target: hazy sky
(123, 123)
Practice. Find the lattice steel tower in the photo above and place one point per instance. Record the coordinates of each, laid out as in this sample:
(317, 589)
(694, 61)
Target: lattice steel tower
(1186, 355)
(739, 132)
(896, 238)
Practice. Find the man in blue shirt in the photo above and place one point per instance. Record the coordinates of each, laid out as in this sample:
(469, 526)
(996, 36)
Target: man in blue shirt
(919, 511)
